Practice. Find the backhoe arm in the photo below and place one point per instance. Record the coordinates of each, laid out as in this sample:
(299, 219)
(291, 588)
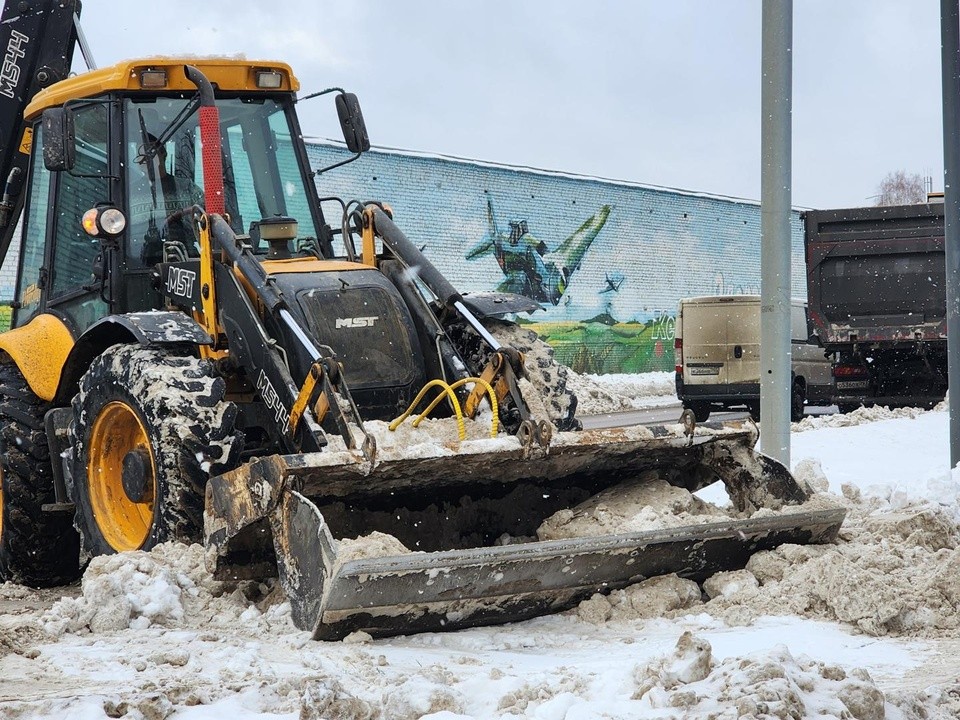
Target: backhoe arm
(37, 41)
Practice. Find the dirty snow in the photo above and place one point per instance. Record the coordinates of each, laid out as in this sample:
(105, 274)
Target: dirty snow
(375, 544)
(598, 394)
(649, 503)
(868, 628)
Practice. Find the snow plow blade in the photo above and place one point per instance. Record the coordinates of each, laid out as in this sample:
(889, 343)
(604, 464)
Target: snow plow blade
(451, 508)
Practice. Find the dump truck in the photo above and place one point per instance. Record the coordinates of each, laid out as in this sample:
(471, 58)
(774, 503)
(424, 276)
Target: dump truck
(876, 288)
(202, 351)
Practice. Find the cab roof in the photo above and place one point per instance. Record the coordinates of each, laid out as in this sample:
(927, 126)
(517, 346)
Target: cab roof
(225, 73)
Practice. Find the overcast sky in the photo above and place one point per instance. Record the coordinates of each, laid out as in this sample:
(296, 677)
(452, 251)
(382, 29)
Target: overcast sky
(661, 93)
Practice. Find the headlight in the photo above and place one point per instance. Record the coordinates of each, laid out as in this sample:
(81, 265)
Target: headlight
(153, 78)
(268, 79)
(112, 221)
(103, 221)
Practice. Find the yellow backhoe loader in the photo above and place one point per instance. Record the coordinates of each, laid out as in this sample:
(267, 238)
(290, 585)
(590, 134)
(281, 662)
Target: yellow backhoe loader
(198, 353)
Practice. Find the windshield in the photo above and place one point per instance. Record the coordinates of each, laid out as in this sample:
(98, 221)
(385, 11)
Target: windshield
(261, 174)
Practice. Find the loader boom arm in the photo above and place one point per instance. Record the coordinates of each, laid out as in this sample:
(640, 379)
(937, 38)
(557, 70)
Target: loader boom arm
(37, 45)
(298, 405)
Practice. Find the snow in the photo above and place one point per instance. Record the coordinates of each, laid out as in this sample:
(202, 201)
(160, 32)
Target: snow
(868, 628)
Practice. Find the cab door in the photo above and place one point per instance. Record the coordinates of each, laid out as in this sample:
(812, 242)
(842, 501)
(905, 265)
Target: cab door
(32, 272)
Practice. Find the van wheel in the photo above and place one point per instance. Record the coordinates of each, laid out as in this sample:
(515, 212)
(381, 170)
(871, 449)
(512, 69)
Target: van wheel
(754, 409)
(797, 402)
(701, 411)
(845, 408)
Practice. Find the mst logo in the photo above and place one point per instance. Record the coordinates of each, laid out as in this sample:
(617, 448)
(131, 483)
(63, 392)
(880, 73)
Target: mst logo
(357, 322)
(180, 282)
(10, 72)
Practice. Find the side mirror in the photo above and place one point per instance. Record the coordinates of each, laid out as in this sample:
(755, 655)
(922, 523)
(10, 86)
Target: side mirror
(351, 122)
(59, 139)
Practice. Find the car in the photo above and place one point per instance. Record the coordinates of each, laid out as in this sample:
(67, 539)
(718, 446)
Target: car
(717, 348)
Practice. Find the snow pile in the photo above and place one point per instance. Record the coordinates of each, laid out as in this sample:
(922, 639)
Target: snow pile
(376, 544)
(690, 683)
(649, 599)
(641, 388)
(647, 503)
(860, 416)
(598, 394)
(431, 437)
(594, 398)
(166, 587)
(892, 573)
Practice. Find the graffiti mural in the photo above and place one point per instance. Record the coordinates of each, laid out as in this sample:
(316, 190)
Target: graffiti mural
(530, 268)
(607, 261)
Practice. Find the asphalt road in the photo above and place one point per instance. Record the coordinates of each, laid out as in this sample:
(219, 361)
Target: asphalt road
(649, 416)
(667, 414)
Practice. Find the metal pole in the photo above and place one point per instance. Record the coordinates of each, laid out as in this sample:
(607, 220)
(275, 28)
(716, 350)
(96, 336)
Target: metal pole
(776, 98)
(950, 71)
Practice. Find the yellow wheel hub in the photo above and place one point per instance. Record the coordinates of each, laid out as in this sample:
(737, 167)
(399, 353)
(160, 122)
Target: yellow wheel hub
(118, 437)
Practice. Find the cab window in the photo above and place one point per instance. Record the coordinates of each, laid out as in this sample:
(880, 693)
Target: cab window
(74, 290)
(33, 239)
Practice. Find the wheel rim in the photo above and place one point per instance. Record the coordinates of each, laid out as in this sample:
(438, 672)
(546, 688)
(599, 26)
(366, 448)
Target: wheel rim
(124, 523)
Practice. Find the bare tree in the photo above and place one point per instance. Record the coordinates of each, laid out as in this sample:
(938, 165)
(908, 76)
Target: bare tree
(899, 188)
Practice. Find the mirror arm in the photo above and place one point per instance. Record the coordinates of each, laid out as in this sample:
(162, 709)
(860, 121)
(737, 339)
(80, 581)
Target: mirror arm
(335, 165)
(322, 92)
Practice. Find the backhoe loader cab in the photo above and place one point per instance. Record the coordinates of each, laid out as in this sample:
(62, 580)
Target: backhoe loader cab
(198, 353)
(129, 137)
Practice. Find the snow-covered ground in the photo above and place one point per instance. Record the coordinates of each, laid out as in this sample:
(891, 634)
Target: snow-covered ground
(868, 628)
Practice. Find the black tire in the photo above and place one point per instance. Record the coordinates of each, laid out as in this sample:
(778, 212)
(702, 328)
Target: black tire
(754, 409)
(37, 548)
(701, 410)
(165, 415)
(798, 398)
(548, 377)
(845, 408)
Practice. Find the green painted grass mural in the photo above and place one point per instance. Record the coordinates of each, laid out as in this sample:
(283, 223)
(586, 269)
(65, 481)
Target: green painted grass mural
(596, 348)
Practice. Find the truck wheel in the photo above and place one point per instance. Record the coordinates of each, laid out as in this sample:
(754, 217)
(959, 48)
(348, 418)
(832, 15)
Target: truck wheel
(797, 402)
(701, 411)
(149, 428)
(36, 548)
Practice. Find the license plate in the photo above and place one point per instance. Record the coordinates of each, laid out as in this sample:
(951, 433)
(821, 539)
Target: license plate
(853, 384)
(704, 370)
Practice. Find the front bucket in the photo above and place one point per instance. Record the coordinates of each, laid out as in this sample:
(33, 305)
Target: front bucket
(459, 585)
(448, 590)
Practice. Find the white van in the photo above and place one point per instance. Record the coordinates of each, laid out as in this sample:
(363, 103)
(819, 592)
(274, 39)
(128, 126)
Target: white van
(717, 349)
